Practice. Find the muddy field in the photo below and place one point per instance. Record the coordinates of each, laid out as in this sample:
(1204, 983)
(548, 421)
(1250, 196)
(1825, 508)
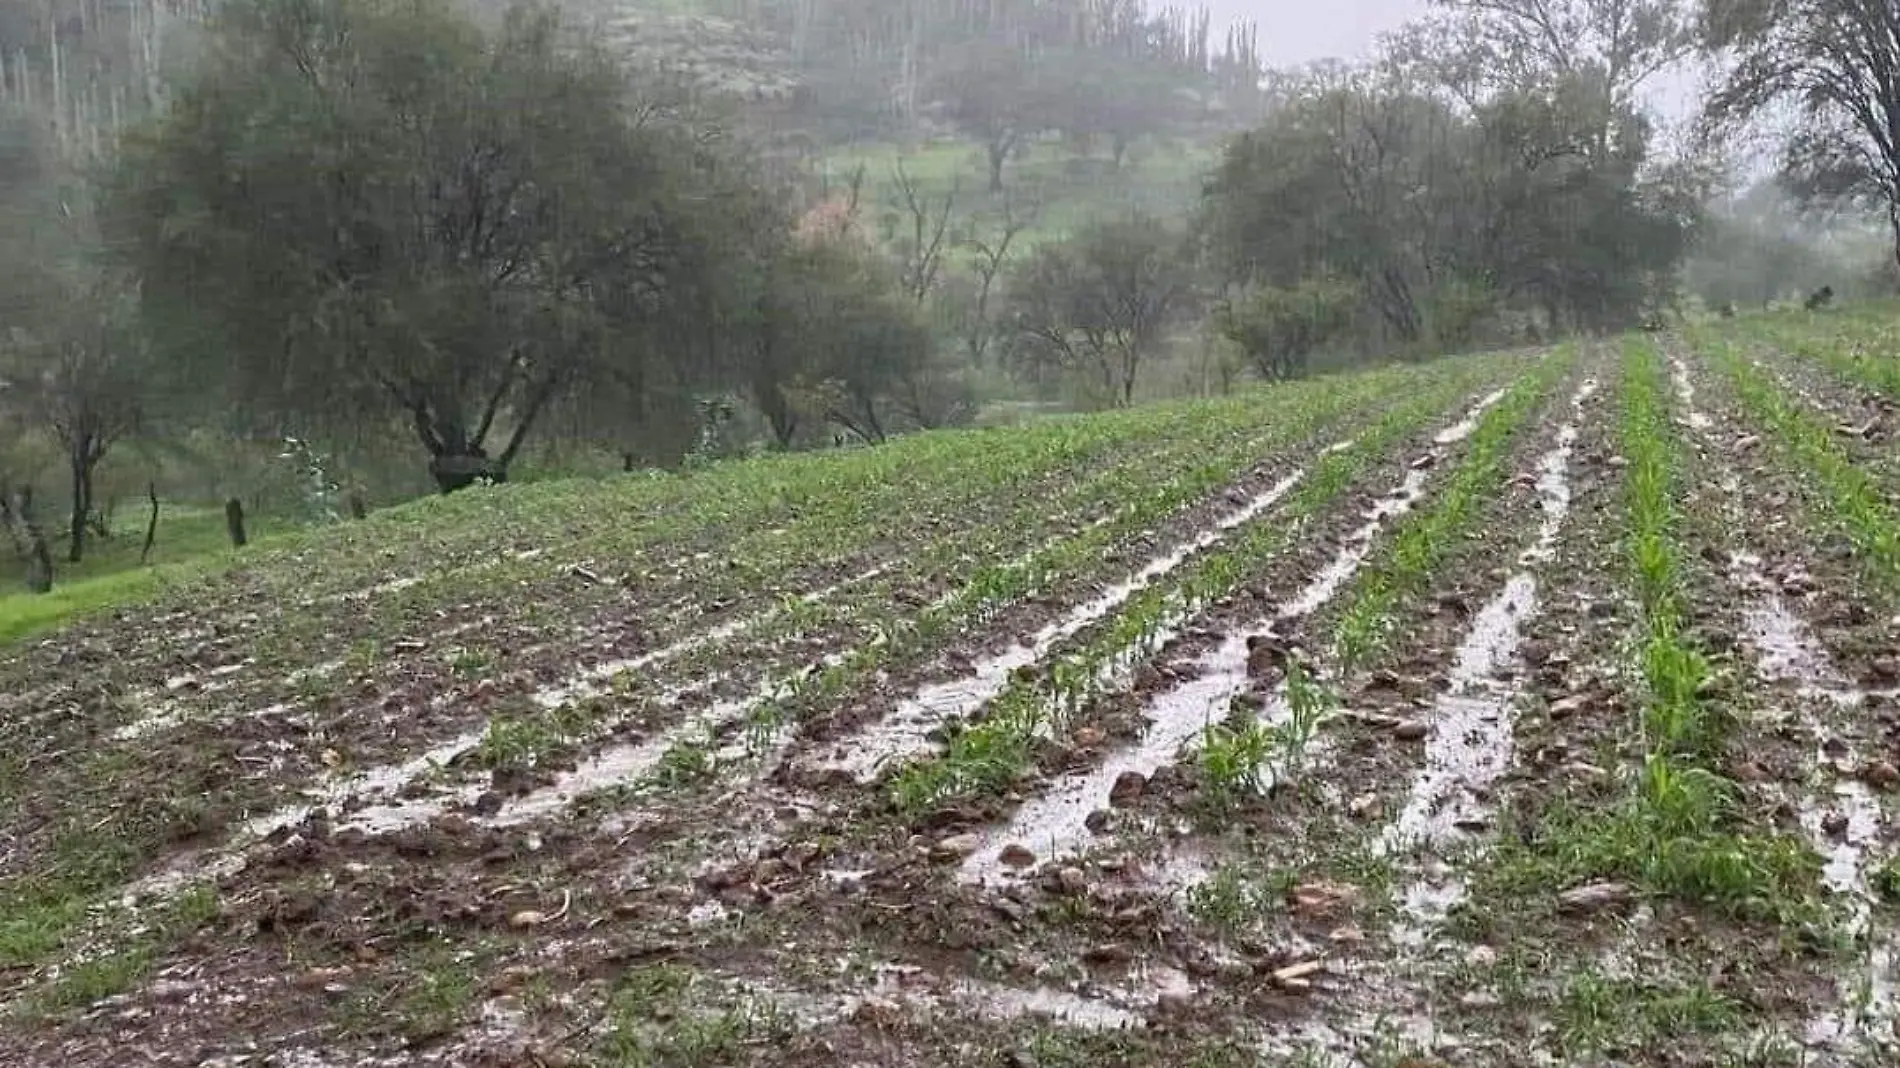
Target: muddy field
(1533, 708)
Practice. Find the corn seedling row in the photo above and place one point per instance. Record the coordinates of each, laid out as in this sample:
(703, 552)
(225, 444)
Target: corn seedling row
(992, 752)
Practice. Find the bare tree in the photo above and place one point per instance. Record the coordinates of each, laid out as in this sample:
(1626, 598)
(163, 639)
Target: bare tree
(929, 224)
(991, 254)
(1620, 44)
(1838, 62)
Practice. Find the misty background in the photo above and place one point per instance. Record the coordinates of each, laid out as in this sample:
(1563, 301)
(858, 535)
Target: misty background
(324, 257)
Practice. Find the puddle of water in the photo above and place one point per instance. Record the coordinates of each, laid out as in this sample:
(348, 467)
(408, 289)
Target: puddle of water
(1786, 651)
(906, 731)
(617, 765)
(1463, 429)
(1472, 738)
(396, 585)
(1685, 392)
(1072, 1009)
(912, 990)
(1358, 545)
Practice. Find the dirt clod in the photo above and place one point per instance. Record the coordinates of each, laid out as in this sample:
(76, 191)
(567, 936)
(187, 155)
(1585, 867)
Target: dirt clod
(1880, 774)
(1411, 730)
(1129, 786)
(1017, 855)
(1322, 900)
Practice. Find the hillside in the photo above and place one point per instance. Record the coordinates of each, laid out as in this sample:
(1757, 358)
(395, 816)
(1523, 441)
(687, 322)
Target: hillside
(1522, 706)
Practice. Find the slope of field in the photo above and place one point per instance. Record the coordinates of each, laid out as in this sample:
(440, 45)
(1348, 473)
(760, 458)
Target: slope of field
(1527, 708)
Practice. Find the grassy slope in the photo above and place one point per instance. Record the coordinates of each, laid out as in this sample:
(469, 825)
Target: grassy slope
(191, 542)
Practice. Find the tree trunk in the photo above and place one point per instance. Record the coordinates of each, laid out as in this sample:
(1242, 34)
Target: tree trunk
(81, 459)
(1893, 219)
(28, 540)
(358, 510)
(999, 154)
(151, 525)
(459, 470)
(234, 522)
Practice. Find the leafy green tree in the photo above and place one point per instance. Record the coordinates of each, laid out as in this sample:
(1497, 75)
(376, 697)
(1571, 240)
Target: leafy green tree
(374, 208)
(1096, 305)
(1279, 329)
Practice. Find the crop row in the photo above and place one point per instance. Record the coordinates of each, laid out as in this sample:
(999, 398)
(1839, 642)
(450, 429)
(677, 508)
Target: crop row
(1846, 496)
(901, 639)
(1422, 542)
(994, 751)
(1681, 831)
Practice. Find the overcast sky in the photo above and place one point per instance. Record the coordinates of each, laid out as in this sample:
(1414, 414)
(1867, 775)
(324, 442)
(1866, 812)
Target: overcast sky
(1299, 31)
(1295, 31)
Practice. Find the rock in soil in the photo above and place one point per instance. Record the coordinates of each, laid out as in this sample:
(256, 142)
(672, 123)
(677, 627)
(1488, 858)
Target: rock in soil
(1594, 896)
(1129, 785)
(1017, 855)
(1410, 730)
(1071, 881)
(958, 845)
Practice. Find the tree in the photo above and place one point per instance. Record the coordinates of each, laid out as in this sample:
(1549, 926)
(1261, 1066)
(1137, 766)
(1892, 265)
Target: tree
(1838, 63)
(1616, 46)
(84, 378)
(71, 348)
(994, 94)
(363, 208)
(832, 333)
(1097, 303)
(1279, 329)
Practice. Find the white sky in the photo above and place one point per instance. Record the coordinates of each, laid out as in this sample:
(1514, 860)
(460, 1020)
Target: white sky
(1292, 32)
(1296, 31)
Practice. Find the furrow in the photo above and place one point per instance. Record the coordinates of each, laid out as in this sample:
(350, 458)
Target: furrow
(1055, 824)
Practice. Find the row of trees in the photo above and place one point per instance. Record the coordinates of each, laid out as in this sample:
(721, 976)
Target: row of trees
(1002, 72)
(353, 219)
